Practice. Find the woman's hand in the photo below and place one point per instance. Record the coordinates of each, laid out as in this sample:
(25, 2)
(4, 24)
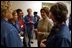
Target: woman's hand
(39, 32)
(42, 44)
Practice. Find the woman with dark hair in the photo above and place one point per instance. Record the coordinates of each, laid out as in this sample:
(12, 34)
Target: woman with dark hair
(60, 35)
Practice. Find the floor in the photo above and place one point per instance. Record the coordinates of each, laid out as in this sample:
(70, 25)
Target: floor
(34, 44)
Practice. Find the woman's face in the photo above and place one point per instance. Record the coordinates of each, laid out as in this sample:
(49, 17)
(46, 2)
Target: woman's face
(9, 15)
(51, 16)
(15, 16)
(43, 14)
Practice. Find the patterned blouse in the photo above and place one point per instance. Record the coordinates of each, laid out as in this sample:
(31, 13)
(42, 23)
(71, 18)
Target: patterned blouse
(44, 26)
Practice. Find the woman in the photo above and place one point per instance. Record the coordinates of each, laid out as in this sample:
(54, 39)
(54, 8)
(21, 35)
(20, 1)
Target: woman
(60, 35)
(14, 21)
(44, 25)
(9, 34)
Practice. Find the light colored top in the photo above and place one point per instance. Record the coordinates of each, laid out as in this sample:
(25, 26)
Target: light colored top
(44, 26)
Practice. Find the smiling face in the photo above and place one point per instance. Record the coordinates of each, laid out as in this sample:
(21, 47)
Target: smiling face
(43, 14)
(15, 16)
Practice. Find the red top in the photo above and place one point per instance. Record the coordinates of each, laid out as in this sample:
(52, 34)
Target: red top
(21, 23)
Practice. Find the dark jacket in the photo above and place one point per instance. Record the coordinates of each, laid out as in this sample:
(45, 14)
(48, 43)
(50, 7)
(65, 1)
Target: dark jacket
(59, 37)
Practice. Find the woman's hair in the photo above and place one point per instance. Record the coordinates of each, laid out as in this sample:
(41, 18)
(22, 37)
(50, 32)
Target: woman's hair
(14, 12)
(3, 12)
(59, 11)
(46, 10)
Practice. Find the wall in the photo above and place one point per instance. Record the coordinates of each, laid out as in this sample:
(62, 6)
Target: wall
(36, 5)
(24, 5)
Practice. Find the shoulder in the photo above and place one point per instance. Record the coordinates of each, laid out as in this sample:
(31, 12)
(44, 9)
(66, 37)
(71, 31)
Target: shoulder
(49, 22)
(7, 26)
(64, 35)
